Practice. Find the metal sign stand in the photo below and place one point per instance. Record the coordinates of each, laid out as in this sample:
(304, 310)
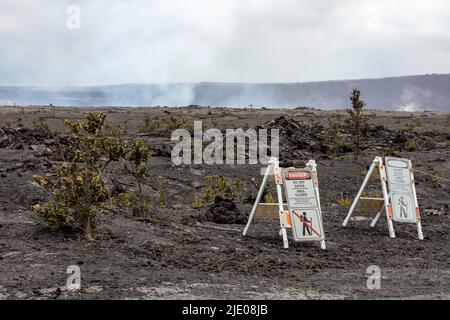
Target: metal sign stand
(284, 215)
(313, 166)
(378, 162)
(419, 223)
(274, 168)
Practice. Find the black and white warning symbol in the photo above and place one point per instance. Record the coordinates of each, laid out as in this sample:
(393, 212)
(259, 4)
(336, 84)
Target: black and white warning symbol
(404, 204)
(308, 220)
(401, 189)
(303, 204)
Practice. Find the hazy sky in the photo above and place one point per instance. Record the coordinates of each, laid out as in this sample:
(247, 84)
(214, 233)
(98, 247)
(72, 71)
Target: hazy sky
(137, 41)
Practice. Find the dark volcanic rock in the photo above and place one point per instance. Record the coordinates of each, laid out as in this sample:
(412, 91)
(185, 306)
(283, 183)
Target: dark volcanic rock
(224, 211)
(297, 140)
(4, 141)
(16, 138)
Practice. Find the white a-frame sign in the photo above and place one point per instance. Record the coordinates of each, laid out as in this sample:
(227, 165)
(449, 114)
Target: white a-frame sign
(399, 195)
(304, 215)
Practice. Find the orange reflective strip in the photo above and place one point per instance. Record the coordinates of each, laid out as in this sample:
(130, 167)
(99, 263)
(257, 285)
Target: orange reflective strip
(278, 179)
(382, 172)
(417, 213)
(390, 213)
(288, 218)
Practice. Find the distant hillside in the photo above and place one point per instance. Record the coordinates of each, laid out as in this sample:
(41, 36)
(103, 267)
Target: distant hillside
(397, 93)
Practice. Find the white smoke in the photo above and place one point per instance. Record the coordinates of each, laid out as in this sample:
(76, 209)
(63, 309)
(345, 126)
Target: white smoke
(412, 97)
(410, 107)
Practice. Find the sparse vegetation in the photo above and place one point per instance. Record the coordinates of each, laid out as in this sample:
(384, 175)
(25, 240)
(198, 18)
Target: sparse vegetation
(179, 237)
(412, 144)
(217, 185)
(376, 194)
(162, 197)
(198, 202)
(165, 124)
(435, 178)
(357, 120)
(268, 198)
(344, 201)
(138, 157)
(334, 137)
(447, 120)
(125, 199)
(413, 125)
(13, 123)
(79, 183)
(41, 124)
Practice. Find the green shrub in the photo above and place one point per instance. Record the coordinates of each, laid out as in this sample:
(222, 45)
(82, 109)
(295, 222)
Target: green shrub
(79, 184)
(344, 201)
(268, 198)
(138, 157)
(435, 178)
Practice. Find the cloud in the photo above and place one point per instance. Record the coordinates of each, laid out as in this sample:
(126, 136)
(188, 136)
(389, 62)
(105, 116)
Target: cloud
(138, 41)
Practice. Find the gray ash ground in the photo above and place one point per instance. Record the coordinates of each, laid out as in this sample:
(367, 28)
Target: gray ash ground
(180, 252)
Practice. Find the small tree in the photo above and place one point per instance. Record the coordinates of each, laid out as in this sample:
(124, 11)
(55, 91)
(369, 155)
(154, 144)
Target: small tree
(357, 120)
(139, 156)
(79, 184)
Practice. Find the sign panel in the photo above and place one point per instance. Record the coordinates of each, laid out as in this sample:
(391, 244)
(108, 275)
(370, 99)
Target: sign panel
(401, 189)
(303, 204)
(300, 188)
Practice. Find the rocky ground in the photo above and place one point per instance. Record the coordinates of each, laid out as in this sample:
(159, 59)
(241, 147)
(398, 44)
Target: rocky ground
(183, 252)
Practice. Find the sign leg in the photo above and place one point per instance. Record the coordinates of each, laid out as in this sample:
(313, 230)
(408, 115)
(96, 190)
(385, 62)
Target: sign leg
(387, 205)
(419, 223)
(375, 220)
(277, 174)
(391, 229)
(419, 230)
(366, 180)
(313, 166)
(285, 238)
(258, 199)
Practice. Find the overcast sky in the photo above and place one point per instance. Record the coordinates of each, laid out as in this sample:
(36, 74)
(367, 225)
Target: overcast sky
(137, 41)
